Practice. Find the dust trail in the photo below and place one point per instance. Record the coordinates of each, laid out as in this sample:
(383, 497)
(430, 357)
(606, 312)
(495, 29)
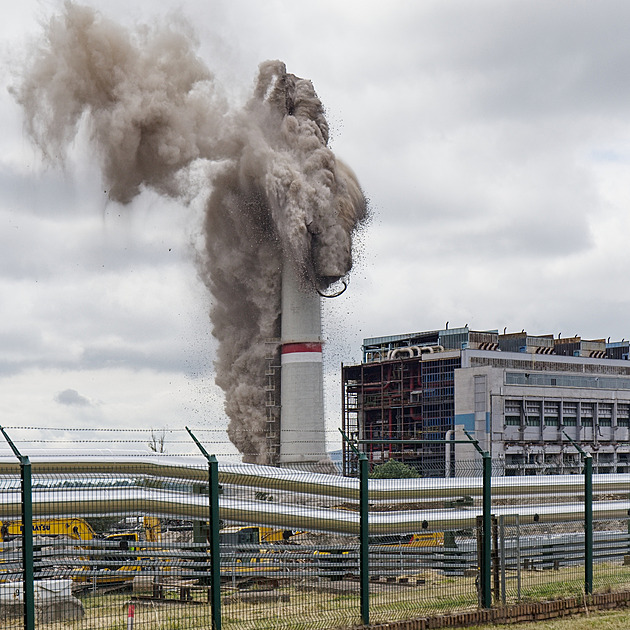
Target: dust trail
(156, 116)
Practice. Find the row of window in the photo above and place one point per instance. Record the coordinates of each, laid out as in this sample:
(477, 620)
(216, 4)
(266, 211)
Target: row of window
(568, 406)
(566, 413)
(535, 421)
(540, 379)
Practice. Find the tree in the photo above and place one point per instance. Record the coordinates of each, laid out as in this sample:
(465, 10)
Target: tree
(394, 470)
(156, 443)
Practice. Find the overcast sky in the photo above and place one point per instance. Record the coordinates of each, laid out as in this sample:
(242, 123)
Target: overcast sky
(491, 137)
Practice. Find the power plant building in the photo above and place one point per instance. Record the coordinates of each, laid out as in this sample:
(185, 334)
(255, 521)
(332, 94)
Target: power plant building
(521, 396)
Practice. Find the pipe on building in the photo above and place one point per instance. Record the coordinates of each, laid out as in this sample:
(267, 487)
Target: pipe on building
(392, 354)
(417, 351)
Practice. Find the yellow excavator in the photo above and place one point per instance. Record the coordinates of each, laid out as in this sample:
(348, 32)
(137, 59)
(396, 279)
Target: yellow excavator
(130, 561)
(80, 529)
(151, 532)
(75, 528)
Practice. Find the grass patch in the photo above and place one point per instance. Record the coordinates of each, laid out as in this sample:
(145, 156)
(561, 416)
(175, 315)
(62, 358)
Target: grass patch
(317, 605)
(607, 620)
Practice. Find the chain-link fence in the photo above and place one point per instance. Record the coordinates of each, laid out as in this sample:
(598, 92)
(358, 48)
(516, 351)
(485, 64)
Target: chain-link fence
(127, 542)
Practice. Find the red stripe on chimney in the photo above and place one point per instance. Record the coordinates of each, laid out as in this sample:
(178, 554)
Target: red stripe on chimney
(288, 348)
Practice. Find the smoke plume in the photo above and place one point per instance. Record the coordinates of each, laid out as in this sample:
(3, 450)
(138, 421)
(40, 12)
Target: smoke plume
(155, 115)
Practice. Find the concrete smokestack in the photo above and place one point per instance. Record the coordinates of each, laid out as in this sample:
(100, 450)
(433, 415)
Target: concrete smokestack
(302, 429)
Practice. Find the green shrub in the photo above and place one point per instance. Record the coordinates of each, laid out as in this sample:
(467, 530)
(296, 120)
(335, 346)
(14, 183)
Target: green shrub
(394, 470)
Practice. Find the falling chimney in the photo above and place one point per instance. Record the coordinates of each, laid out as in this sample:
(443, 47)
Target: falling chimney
(302, 429)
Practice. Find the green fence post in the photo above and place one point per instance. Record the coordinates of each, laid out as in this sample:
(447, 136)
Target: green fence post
(588, 524)
(215, 549)
(214, 524)
(27, 535)
(364, 549)
(486, 564)
(364, 531)
(588, 516)
(27, 545)
(486, 528)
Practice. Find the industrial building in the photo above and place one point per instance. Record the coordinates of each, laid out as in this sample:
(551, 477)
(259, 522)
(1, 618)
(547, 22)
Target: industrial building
(519, 395)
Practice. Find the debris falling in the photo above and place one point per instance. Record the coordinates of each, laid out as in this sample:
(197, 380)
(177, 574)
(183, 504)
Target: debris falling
(156, 117)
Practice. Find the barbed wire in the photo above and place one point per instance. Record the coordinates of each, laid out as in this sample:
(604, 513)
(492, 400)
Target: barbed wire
(71, 442)
(73, 438)
(152, 454)
(149, 429)
(103, 429)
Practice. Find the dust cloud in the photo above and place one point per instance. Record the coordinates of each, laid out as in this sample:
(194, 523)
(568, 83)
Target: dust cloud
(274, 190)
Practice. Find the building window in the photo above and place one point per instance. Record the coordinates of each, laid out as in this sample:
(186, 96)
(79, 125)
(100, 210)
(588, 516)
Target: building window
(604, 414)
(564, 380)
(623, 415)
(569, 408)
(512, 407)
(569, 414)
(551, 407)
(480, 394)
(587, 408)
(605, 409)
(532, 407)
(532, 413)
(513, 413)
(552, 413)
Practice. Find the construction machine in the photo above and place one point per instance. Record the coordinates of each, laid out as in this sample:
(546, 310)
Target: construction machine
(75, 528)
(104, 563)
